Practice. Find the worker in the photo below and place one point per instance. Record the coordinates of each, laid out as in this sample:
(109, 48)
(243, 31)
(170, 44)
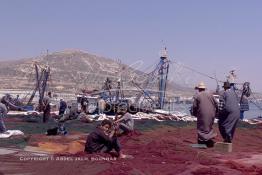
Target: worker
(62, 107)
(46, 107)
(101, 106)
(244, 106)
(103, 139)
(124, 121)
(84, 105)
(229, 113)
(204, 108)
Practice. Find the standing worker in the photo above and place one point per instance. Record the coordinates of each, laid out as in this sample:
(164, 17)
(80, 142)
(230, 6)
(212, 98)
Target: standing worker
(46, 107)
(229, 113)
(204, 108)
(244, 106)
(62, 107)
(84, 105)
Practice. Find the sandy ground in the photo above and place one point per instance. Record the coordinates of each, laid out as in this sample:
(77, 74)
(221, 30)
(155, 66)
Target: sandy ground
(163, 149)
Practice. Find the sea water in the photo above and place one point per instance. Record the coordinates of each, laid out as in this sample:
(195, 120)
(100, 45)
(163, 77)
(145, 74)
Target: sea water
(253, 112)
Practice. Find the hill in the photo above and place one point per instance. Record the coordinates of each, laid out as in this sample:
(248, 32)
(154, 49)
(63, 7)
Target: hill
(71, 71)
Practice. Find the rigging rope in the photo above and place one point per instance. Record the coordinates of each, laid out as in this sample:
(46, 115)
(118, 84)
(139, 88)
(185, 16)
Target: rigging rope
(245, 91)
(200, 73)
(254, 101)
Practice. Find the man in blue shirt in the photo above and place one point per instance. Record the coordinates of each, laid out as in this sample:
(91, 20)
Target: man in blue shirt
(62, 106)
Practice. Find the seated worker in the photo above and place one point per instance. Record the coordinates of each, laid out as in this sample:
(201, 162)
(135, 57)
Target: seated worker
(125, 122)
(69, 114)
(83, 117)
(103, 140)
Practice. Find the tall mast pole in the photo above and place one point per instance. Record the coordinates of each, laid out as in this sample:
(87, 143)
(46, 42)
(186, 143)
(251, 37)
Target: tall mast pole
(163, 74)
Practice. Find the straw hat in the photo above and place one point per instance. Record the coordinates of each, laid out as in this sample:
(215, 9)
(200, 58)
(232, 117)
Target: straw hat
(201, 85)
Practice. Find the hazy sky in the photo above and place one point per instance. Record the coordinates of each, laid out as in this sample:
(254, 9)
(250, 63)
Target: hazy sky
(208, 35)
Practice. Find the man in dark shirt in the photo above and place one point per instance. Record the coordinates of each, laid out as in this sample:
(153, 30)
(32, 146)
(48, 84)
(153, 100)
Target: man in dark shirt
(102, 140)
(62, 107)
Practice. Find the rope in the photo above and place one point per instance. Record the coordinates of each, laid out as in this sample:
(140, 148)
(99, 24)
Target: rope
(259, 107)
(254, 102)
(193, 70)
(245, 91)
(28, 92)
(201, 73)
